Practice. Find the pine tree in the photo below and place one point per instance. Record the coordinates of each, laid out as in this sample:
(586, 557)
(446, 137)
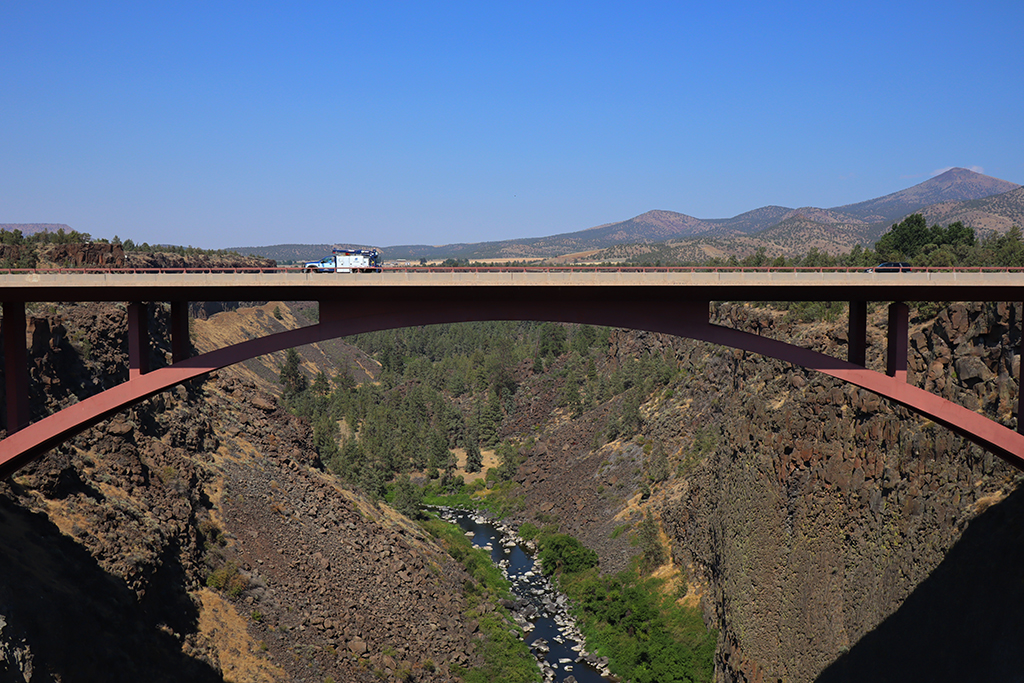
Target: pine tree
(474, 459)
(408, 497)
(291, 376)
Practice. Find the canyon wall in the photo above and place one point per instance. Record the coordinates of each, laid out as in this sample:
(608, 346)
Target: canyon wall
(812, 519)
(817, 509)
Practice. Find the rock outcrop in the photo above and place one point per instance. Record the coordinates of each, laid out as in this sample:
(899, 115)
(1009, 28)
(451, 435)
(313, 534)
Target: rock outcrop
(107, 255)
(91, 254)
(170, 260)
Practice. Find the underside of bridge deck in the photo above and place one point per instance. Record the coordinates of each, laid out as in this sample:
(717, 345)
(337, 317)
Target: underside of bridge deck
(659, 310)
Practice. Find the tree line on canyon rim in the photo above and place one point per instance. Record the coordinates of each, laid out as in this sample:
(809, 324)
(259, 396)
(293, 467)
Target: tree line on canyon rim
(28, 246)
(955, 245)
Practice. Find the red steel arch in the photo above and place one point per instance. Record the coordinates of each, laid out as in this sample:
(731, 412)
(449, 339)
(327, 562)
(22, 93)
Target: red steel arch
(666, 311)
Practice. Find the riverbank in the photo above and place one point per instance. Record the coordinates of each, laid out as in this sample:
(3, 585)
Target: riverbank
(539, 609)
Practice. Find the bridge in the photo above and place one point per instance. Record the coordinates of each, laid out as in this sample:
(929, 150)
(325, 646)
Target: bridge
(667, 300)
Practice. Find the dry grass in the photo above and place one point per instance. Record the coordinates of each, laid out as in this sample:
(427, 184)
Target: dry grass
(488, 457)
(240, 657)
(232, 327)
(489, 460)
(491, 261)
(985, 502)
(60, 513)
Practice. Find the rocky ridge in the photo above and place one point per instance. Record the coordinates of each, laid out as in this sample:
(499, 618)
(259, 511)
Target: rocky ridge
(108, 255)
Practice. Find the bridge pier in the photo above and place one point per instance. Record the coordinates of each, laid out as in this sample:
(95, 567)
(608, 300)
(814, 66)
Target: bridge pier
(898, 340)
(857, 350)
(138, 336)
(1020, 375)
(138, 339)
(180, 343)
(15, 365)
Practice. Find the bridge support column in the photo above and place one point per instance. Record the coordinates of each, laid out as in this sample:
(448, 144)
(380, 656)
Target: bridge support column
(1020, 377)
(15, 365)
(857, 350)
(180, 343)
(138, 339)
(899, 340)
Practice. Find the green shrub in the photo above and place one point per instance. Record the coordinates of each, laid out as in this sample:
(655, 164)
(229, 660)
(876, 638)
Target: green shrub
(646, 635)
(212, 536)
(226, 578)
(563, 553)
(654, 554)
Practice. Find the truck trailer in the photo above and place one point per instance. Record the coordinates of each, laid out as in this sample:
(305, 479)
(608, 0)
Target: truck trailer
(346, 261)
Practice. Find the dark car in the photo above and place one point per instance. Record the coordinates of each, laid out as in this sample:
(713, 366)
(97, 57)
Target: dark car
(891, 267)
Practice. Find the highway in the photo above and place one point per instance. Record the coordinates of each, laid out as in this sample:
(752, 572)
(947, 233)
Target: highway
(712, 284)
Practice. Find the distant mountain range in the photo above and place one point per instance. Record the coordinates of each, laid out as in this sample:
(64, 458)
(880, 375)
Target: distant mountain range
(32, 228)
(980, 201)
(987, 204)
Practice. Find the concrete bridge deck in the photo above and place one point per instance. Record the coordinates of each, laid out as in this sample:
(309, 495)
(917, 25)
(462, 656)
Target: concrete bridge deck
(704, 283)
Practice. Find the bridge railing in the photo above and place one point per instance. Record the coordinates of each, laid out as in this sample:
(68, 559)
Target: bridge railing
(98, 270)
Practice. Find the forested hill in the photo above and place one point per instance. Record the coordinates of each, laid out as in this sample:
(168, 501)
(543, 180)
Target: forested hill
(998, 213)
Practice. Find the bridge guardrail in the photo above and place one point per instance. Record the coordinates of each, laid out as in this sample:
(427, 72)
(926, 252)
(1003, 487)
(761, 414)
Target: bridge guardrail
(95, 270)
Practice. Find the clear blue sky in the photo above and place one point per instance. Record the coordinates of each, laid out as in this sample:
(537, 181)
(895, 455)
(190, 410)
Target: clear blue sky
(234, 124)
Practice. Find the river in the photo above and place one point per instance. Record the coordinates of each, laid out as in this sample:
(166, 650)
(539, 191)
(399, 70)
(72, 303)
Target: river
(539, 609)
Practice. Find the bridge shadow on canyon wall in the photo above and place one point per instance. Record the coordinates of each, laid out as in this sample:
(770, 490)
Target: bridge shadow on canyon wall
(965, 622)
(80, 623)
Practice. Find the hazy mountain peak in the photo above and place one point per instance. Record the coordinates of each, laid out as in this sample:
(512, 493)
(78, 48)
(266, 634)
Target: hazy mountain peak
(956, 184)
(962, 185)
